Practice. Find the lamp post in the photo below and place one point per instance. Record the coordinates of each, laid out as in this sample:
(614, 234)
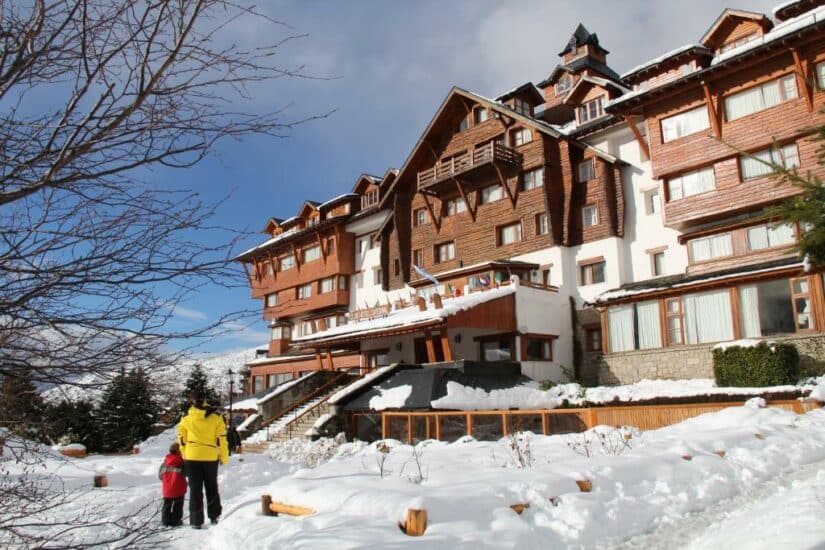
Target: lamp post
(231, 374)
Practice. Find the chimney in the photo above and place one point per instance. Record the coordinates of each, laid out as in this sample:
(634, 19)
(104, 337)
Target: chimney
(437, 301)
(422, 304)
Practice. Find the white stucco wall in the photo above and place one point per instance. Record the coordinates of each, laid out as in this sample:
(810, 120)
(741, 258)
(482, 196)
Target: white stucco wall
(544, 312)
(363, 290)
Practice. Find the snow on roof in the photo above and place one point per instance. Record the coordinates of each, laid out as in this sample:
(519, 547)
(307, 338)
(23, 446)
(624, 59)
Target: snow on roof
(362, 382)
(338, 198)
(624, 293)
(783, 29)
(271, 241)
(665, 56)
(411, 316)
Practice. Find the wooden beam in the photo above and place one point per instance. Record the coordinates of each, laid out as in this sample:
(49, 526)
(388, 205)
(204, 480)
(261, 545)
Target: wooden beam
(466, 200)
(432, 151)
(318, 359)
(246, 270)
(272, 263)
(296, 257)
(321, 245)
(445, 345)
(640, 139)
(503, 181)
(430, 347)
(257, 265)
(290, 510)
(802, 79)
(329, 360)
(714, 117)
(436, 220)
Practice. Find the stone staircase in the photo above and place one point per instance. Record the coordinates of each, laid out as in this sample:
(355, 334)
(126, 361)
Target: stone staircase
(295, 422)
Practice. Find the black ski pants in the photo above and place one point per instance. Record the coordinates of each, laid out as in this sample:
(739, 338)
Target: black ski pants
(171, 514)
(203, 475)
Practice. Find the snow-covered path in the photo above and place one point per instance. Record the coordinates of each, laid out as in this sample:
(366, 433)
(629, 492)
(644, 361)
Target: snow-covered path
(785, 512)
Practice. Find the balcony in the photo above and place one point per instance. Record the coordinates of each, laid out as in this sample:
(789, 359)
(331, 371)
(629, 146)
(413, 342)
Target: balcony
(475, 165)
(314, 303)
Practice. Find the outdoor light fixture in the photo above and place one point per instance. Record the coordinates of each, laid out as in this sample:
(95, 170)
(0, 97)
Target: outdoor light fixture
(457, 338)
(398, 346)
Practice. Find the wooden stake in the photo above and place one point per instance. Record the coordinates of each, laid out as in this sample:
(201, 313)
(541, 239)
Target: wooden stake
(290, 510)
(519, 508)
(720, 453)
(687, 457)
(416, 522)
(101, 480)
(585, 485)
(266, 501)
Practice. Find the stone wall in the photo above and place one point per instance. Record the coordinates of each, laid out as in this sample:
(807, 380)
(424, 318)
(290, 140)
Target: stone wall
(694, 361)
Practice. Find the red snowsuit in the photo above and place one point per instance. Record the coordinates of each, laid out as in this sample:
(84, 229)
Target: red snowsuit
(172, 477)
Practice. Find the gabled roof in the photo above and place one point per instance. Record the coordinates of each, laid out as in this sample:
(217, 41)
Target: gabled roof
(760, 18)
(581, 36)
(575, 66)
(590, 81)
(364, 180)
(794, 8)
(528, 88)
(688, 50)
(308, 205)
(270, 223)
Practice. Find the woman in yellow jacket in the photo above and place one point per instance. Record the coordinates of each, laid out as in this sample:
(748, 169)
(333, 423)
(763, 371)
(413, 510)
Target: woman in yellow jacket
(202, 438)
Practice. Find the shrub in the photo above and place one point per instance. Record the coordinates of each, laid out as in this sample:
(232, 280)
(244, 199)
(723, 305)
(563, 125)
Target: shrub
(761, 365)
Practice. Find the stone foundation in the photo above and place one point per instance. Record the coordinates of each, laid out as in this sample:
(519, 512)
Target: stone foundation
(694, 361)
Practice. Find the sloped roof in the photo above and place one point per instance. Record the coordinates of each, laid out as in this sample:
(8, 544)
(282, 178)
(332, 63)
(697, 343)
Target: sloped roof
(576, 65)
(728, 14)
(580, 37)
(526, 87)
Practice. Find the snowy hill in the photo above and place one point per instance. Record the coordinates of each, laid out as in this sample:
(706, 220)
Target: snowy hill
(169, 381)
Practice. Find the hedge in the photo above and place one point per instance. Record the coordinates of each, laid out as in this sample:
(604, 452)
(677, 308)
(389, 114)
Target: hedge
(766, 364)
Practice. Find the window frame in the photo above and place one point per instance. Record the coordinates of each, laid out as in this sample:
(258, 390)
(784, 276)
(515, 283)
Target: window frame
(542, 229)
(767, 228)
(316, 249)
(377, 276)
(547, 339)
(806, 295)
(482, 200)
(589, 340)
(789, 77)
(777, 155)
(321, 282)
(450, 245)
(665, 121)
(424, 218)
(678, 313)
(519, 135)
(584, 111)
(587, 272)
(681, 179)
(590, 164)
(271, 303)
(595, 209)
(283, 259)
(478, 117)
(691, 243)
(534, 181)
(300, 293)
(501, 337)
(501, 228)
(655, 269)
(451, 207)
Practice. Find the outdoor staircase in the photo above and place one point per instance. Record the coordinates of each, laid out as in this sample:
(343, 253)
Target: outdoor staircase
(297, 419)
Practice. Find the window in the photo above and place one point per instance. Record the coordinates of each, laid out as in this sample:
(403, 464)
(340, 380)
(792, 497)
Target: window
(331, 245)
(326, 285)
(760, 97)
(634, 326)
(369, 198)
(509, 234)
(542, 224)
(377, 276)
(684, 124)
(692, 183)
(593, 339)
(258, 383)
(396, 267)
(532, 179)
(342, 282)
(444, 252)
(708, 248)
(590, 215)
(522, 136)
(592, 109)
(758, 164)
(820, 75)
(418, 257)
(586, 170)
(311, 254)
(420, 217)
(497, 349)
(801, 303)
(766, 309)
(545, 276)
(454, 206)
(307, 328)
(464, 124)
(362, 245)
(375, 241)
(272, 299)
(305, 291)
(592, 273)
(564, 84)
(491, 194)
(313, 221)
(521, 106)
(281, 332)
(287, 262)
(769, 236)
(480, 115)
(707, 317)
(537, 348)
(738, 42)
(673, 319)
(476, 282)
(653, 202)
(657, 260)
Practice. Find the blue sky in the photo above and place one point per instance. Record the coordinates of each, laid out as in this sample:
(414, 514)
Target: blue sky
(390, 64)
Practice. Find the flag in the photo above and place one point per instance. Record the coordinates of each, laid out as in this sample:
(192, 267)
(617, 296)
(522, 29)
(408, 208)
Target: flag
(483, 280)
(425, 275)
(450, 289)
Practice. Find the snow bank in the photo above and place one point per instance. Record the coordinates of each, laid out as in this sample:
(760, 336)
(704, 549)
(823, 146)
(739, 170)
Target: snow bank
(393, 398)
(528, 396)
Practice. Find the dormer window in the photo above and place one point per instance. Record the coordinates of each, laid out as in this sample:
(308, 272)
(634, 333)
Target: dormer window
(738, 42)
(480, 115)
(592, 109)
(313, 221)
(522, 107)
(370, 198)
(464, 124)
(522, 136)
(563, 85)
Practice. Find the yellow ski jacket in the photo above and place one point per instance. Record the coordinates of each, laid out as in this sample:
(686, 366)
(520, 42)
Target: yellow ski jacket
(202, 437)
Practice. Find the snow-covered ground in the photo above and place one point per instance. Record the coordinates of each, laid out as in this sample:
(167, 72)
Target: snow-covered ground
(773, 468)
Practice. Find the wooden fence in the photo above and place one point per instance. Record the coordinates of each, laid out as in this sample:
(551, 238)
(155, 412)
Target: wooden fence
(490, 425)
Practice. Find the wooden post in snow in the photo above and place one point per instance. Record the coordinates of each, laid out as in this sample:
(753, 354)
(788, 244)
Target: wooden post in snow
(416, 522)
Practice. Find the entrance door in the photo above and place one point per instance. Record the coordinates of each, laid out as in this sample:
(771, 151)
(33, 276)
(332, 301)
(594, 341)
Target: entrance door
(421, 350)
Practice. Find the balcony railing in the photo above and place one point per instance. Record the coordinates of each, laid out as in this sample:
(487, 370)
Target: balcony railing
(488, 153)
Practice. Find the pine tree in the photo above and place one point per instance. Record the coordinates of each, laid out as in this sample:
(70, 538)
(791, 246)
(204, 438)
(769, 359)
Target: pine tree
(127, 411)
(21, 408)
(808, 208)
(197, 384)
(76, 421)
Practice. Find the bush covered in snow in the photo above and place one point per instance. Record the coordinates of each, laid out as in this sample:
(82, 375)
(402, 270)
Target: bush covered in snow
(765, 364)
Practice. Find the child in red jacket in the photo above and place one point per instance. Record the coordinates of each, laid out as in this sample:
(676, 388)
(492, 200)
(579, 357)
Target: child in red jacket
(173, 482)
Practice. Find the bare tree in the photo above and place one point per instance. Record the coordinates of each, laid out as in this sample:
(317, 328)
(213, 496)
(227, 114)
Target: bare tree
(93, 260)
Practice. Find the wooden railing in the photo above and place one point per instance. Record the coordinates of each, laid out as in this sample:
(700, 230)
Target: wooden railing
(490, 152)
(370, 313)
(492, 425)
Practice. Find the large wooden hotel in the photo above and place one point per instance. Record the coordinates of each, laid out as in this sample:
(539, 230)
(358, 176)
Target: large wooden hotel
(610, 225)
